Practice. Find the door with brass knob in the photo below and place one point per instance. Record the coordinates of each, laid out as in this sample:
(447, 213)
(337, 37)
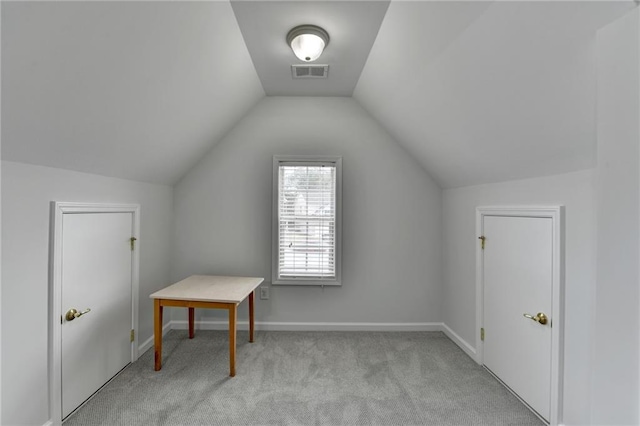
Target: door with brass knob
(517, 274)
(96, 303)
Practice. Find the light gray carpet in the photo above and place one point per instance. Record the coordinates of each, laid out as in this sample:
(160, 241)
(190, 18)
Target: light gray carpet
(320, 378)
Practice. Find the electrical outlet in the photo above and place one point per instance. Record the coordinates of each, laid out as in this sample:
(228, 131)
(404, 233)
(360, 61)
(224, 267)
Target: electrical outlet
(264, 293)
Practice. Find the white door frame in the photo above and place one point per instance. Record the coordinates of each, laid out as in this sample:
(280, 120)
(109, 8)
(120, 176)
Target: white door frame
(556, 214)
(58, 209)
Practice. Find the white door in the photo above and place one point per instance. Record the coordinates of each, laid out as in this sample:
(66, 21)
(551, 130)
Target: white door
(517, 276)
(96, 279)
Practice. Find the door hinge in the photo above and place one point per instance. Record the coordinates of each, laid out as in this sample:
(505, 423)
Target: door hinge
(133, 335)
(483, 239)
(133, 243)
(482, 334)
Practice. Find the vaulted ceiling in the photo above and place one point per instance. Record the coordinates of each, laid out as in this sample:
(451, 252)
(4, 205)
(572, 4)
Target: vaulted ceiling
(136, 90)
(485, 92)
(476, 91)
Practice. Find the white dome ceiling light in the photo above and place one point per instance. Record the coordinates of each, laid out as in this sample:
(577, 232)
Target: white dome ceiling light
(307, 42)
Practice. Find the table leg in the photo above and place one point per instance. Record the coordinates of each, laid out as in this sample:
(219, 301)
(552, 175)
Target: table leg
(233, 311)
(251, 316)
(191, 318)
(157, 331)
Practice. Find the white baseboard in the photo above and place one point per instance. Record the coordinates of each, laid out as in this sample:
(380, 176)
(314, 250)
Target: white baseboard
(148, 344)
(312, 326)
(466, 347)
(317, 326)
(48, 423)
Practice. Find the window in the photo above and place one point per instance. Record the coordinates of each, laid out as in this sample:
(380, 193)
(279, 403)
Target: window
(306, 220)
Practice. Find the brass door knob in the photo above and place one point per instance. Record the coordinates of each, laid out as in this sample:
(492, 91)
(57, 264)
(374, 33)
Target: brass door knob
(74, 313)
(540, 317)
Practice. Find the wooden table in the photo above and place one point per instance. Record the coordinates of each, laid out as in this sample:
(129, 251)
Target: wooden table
(205, 291)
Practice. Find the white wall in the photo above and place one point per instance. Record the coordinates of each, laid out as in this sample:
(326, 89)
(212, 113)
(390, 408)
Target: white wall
(26, 193)
(391, 215)
(575, 191)
(615, 350)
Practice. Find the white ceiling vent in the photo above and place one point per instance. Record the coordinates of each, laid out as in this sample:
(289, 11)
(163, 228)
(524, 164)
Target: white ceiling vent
(309, 71)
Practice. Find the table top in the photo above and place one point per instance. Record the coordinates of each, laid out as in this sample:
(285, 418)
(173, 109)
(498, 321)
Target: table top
(210, 288)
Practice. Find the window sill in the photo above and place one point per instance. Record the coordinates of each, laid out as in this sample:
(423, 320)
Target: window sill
(303, 282)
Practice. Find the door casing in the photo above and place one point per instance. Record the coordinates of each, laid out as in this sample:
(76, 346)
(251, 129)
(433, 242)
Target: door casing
(58, 209)
(556, 214)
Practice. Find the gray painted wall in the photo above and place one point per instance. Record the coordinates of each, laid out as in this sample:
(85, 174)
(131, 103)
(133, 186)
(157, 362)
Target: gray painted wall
(615, 351)
(391, 215)
(26, 193)
(575, 191)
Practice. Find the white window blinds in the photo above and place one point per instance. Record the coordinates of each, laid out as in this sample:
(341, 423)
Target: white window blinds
(306, 221)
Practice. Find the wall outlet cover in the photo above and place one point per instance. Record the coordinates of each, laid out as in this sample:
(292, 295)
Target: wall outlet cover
(264, 293)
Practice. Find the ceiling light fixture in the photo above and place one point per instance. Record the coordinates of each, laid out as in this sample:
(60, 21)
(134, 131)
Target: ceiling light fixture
(307, 41)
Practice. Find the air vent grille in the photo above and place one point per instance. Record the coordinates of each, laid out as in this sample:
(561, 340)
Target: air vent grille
(309, 71)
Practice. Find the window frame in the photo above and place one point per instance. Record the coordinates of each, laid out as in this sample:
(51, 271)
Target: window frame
(275, 228)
